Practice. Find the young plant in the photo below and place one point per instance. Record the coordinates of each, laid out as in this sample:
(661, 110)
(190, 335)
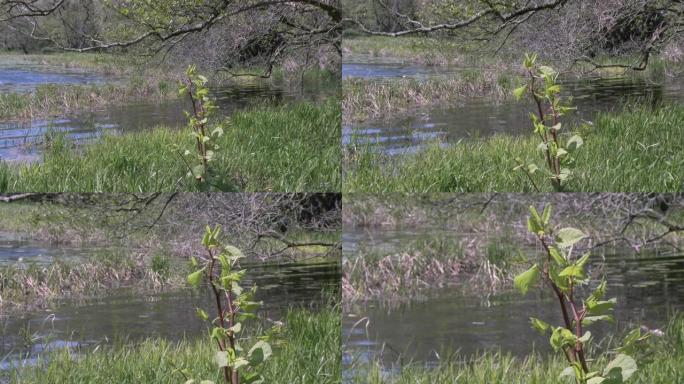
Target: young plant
(563, 273)
(195, 87)
(220, 268)
(545, 92)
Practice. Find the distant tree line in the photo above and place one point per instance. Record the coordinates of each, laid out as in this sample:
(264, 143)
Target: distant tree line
(570, 30)
(222, 34)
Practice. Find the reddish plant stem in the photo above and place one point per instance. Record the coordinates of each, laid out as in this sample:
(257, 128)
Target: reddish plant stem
(578, 316)
(578, 351)
(227, 371)
(540, 111)
(198, 127)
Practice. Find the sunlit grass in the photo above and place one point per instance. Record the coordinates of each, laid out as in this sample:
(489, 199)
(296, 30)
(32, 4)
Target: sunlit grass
(310, 353)
(665, 366)
(637, 150)
(288, 148)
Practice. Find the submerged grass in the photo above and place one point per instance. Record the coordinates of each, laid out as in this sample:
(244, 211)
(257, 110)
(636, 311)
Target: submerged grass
(59, 100)
(32, 284)
(310, 353)
(665, 366)
(428, 263)
(638, 150)
(287, 148)
(372, 98)
(101, 62)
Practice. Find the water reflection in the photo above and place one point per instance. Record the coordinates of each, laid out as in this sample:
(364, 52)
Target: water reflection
(21, 140)
(26, 77)
(479, 117)
(648, 286)
(135, 315)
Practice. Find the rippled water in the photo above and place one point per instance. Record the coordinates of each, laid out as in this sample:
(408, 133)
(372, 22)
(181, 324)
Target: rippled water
(478, 117)
(20, 140)
(26, 77)
(134, 315)
(647, 285)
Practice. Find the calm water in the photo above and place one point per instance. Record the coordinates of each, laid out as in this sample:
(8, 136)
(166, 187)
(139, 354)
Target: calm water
(134, 315)
(26, 77)
(380, 70)
(647, 286)
(20, 141)
(479, 117)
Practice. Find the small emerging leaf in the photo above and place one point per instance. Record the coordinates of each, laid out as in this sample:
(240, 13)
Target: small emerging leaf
(524, 280)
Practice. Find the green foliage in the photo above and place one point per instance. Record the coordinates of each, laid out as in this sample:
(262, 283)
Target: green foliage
(311, 354)
(295, 148)
(161, 265)
(195, 87)
(648, 159)
(220, 268)
(563, 272)
(547, 125)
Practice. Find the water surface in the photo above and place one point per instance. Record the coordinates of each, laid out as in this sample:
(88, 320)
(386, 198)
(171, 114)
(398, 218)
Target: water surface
(26, 77)
(648, 286)
(129, 314)
(481, 117)
(25, 140)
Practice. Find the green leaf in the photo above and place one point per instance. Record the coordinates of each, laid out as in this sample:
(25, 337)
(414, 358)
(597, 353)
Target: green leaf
(596, 380)
(218, 333)
(574, 143)
(195, 278)
(532, 168)
(520, 92)
(622, 367)
(240, 362)
(236, 328)
(221, 358)
(574, 271)
(585, 338)
(236, 288)
(557, 256)
(541, 326)
(583, 260)
(259, 353)
(561, 337)
(546, 215)
(534, 222)
(202, 314)
(599, 292)
(592, 319)
(234, 252)
(600, 307)
(547, 71)
(567, 237)
(553, 89)
(524, 280)
(565, 174)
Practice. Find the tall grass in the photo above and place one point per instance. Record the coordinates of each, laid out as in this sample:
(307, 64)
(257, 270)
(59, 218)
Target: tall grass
(638, 150)
(310, 354)
(495, 367)
(288, 148)
(101, 62)
(58, 100)
(365, 98)
(34, 284)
